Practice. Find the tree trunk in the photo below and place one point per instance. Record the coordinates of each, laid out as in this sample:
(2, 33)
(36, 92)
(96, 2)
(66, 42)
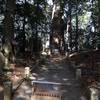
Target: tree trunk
(31, 46)
(23, 46)
(57, 25)
(8, 29)
(36, 37)
(24, 17)
(67, 38)
(76, 37)
(70, 28)
(99, 11)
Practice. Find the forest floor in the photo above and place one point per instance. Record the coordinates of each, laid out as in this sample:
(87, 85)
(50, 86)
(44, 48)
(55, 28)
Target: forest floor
(88, 61)
(14, 72)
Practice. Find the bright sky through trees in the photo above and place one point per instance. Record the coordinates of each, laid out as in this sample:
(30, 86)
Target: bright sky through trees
(50, 2)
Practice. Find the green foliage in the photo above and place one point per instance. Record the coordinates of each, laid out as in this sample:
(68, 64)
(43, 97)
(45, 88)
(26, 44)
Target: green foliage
(35, 13)
(38, 19)
(88, 29)
(34, 17)
(2, 6)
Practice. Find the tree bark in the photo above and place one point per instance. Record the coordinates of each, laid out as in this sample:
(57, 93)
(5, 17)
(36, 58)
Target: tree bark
(8, 29)
(24, 17)
(76, 38)
(99, 11)
(69, 29)
(57, 26)
(31, 46)
(70, 24)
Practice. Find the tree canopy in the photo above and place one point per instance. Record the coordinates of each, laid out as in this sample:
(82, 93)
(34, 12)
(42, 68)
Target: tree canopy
(75, 23)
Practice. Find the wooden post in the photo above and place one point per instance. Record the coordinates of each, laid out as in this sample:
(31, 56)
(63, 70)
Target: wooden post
(7, 90)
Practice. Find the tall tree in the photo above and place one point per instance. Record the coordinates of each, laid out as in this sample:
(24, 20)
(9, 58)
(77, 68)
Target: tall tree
(57, 34)
(76, 37)
(70, 23)
(24, 18)
(99, 11)
(68, 28)
(8, 29)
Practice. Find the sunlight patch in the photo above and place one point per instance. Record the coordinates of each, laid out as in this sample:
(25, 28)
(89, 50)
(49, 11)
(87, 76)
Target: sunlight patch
(32, 77)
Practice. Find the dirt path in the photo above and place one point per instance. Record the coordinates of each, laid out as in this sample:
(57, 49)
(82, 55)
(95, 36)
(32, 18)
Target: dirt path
(56, 69)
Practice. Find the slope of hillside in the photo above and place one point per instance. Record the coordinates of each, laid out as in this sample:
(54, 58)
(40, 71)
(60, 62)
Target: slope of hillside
(89, 63)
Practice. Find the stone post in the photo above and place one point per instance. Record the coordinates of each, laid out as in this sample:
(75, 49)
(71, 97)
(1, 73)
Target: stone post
(78, 73)
(94, 94)
(27, 71)
(7, 90)
(73, 64)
